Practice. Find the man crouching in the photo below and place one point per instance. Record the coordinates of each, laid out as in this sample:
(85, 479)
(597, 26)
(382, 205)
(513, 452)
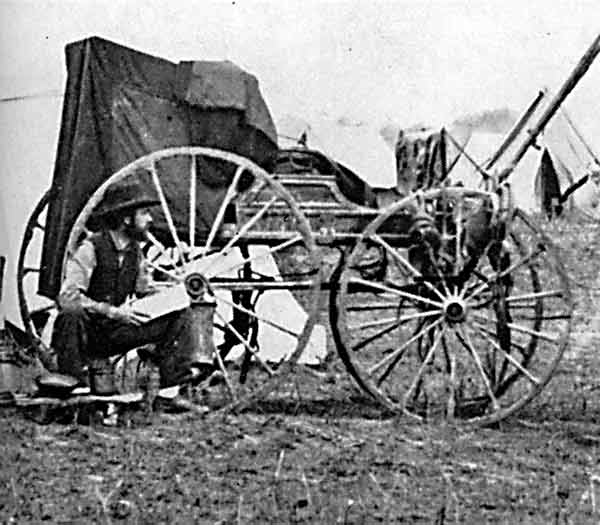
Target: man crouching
(95, 321)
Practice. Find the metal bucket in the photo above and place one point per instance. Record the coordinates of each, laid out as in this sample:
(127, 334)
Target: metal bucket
(102, 379)
(10, 373)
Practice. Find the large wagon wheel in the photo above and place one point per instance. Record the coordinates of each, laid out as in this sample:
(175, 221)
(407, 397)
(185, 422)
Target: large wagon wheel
(232, 261)
(34, 309)
(470, 318)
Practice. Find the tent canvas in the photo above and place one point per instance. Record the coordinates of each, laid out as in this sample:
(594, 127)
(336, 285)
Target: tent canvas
(572, 161)
(480, 147)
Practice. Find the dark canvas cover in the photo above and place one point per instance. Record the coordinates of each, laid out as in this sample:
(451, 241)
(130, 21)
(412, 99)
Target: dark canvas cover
(121, 104)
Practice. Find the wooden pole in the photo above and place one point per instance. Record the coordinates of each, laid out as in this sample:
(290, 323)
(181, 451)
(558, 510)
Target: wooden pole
(2, 265)
(580, 69)
(515, 130)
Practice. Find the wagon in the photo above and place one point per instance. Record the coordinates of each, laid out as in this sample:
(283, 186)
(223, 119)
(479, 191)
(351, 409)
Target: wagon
(447, 303)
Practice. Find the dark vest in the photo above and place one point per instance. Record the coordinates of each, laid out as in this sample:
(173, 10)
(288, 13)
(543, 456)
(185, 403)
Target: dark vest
(111, 283)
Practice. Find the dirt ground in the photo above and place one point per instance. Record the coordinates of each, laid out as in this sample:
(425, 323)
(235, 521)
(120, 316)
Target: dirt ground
(321, 452)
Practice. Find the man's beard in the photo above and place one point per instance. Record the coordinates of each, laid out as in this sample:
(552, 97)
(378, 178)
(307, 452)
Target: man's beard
(135, 233)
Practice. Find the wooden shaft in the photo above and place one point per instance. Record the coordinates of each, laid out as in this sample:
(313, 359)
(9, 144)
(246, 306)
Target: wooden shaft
(515, 130)
(583, 65)
(2, 264)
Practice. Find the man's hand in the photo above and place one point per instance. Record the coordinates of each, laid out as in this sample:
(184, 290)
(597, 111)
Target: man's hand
(126, 314)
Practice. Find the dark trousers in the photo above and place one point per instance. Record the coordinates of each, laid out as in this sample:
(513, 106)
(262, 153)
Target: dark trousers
(79, 337)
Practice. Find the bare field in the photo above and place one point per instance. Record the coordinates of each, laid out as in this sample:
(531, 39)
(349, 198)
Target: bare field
(319, 451)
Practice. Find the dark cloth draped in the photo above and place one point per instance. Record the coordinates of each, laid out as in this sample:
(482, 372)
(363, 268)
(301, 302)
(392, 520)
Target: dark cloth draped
(121, 104)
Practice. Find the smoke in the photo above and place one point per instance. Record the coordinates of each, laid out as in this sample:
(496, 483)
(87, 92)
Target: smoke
(498, 120)
(491, 120)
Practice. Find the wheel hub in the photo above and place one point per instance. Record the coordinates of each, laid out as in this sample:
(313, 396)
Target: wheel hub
(455, 310)
(196, 286)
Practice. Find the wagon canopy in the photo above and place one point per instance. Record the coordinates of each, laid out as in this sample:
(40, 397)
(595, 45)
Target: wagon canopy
(121, 104)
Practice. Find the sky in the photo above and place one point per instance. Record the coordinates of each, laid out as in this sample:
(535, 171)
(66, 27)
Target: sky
(367, 61)
(406, 61)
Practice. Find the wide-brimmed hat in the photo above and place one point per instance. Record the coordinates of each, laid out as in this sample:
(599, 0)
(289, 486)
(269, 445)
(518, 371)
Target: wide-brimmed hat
(125, 196)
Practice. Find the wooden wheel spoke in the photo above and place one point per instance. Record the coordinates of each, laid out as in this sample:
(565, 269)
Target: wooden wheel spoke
(518, 346)
(161, 251)
(537, 295)
(536, 381)
(464, 335)
(480, 317)
(270, 251)
(556, 317)
(394, 253)
(243, 230)
(373, 324)
(405, 263)
(156, 243)
(230, 387)
(372, 306)
(424, 364)
(193, 190)
(481, 276)
(374, 336)
(522, 329)
(438, 273)
(444, 199)
(422, 325)
(458, 238)
(390, 320)
(257, 191)
(245, 343)
(535, 333)
(176, 277)
(394, 291)
(259, 317)
(167, 212)
(397, 354)
(44, 309)
(451, 402)
(229, 195)
(491, 278)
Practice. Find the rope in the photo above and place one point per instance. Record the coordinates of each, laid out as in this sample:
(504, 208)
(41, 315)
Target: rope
(580, 136)
(478, 168)
(575, 152)
(53, 93)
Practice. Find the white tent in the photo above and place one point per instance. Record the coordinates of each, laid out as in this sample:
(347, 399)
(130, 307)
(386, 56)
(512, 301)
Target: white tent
(357, 145)
(573, 161)
(480, 147)
(570, 160)
(29, 128)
